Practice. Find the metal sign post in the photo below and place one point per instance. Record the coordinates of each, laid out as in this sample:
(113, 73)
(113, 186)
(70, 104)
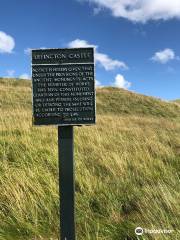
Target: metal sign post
(63, 87)
(66, 182)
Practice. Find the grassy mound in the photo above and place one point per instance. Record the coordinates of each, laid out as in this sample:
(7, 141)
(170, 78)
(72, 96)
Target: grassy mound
(177, 101)
(127, 168)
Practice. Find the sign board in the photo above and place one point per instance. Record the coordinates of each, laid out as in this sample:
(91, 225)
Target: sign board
(63, 86)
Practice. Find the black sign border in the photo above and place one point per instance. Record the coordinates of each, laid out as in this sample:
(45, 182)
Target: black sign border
(68, 124)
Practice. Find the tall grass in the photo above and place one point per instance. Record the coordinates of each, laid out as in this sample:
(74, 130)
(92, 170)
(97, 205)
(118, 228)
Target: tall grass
(127, 169)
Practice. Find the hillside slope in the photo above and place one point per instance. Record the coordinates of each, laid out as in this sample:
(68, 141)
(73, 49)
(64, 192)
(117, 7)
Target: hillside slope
(177, 101)
(127, 168)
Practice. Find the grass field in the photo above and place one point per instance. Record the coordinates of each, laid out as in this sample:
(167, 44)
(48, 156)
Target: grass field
(127, 168)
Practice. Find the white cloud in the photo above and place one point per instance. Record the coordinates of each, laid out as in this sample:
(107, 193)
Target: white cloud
(164, 56)
(24, 76)
(103, 59)
(7, 43)
(10, 73)
(78, 43)
(141, 10)
(27, 51)
(108, 63)
(121, 82)
(98, 83)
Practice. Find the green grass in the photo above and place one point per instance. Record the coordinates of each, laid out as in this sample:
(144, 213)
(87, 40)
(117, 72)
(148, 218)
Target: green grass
(127, 168)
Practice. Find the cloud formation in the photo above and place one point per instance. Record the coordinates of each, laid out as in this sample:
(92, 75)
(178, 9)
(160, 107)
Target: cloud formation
(7, 43)
(102, 59)
(27, 51)
(11, 73)
(164, 56)
(121, 82)
(98, 83)
(140, 10)
(24, 76)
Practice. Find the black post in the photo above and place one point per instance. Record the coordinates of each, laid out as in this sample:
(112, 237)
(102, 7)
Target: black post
(66, 182)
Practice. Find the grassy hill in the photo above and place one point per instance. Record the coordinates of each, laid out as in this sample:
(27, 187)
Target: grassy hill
(177, 101)
(127, 168)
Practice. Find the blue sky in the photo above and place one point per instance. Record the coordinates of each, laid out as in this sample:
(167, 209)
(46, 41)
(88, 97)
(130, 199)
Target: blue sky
(137, 43)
